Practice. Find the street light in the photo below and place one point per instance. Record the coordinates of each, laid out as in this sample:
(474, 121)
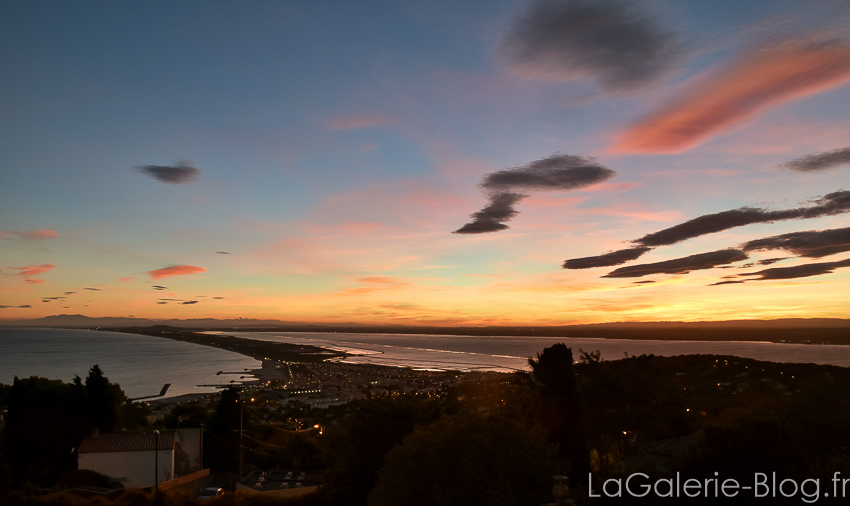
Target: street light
(156, 463)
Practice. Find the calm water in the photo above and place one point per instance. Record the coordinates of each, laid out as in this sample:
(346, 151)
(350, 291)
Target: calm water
(140, 364)
(467, 353)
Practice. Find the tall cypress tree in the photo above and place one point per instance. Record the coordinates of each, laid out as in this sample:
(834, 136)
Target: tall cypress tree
(104, 400)
(561, 410)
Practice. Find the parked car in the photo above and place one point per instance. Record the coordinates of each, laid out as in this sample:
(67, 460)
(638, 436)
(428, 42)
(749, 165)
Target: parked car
(210, 492)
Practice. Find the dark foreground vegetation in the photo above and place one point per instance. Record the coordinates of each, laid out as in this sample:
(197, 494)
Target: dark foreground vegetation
(491, 439)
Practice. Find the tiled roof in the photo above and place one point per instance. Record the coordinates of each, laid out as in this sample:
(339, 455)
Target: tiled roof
(128, 441)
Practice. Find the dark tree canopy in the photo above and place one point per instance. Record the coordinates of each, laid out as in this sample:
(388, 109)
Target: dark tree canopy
(357, 446)
(466, 461)
(48, 419)
(560, 409)
(553, 369)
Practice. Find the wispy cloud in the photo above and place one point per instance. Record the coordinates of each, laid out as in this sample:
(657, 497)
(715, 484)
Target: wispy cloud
(608, 259)
(829, 205)
(505, 188)
(618, 44)
(33, 270)
(727, 96)
(491, 217)
(810, 243)
(175, 270)
(183, 172)
(28, 234)
(35, 281)
(356, 121)
(25, 306)
(798, 271)
(682, 265)
(820, 161)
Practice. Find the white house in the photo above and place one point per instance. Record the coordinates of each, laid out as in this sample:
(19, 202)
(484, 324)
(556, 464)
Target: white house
(132, 457)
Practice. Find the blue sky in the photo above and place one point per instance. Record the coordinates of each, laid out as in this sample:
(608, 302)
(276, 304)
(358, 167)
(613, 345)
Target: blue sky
(339, 145)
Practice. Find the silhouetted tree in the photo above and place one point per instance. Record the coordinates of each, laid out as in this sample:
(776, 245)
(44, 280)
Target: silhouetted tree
(560, 409)
(48, 419)
(356, 447)
(103, 400)
(468, 460)
(40, 431)
(187, 415)
(221, 440)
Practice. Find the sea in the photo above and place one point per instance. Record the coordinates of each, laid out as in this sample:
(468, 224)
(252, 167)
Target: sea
(143, 364)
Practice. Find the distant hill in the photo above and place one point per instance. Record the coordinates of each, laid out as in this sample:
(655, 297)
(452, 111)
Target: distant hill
(82, 321)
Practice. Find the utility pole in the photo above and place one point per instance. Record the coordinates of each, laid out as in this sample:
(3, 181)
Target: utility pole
(241, 415)
(156, 464)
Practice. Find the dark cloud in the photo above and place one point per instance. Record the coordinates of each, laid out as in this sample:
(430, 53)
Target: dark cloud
(159, 287)
(820, 161)
(770, 261)
(492, 216)
(183, 173)
(680, 265)
(642, 282)
(93, 289)
(218, 298)
(25, 306)
(55, 298)
(505, 188)
(189, 302)
(725, 283)
(557, 172)
(613, 42)
(162, 302)
(798, 271)
(608, 259)
(69, 293)
(223, 252)
(829, 205)
(811, 243)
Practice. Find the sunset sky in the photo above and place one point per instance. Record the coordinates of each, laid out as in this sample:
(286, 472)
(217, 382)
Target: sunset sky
(436, 162)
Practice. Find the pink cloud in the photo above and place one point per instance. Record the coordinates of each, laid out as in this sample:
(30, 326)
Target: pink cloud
(127, 279)
(357, 121)
(33, 270)
(28, 234)
(175, 270)
(33, 281)
(727, 96)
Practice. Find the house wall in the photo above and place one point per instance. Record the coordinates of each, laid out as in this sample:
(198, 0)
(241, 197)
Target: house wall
(189, 442)
(131, 469)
